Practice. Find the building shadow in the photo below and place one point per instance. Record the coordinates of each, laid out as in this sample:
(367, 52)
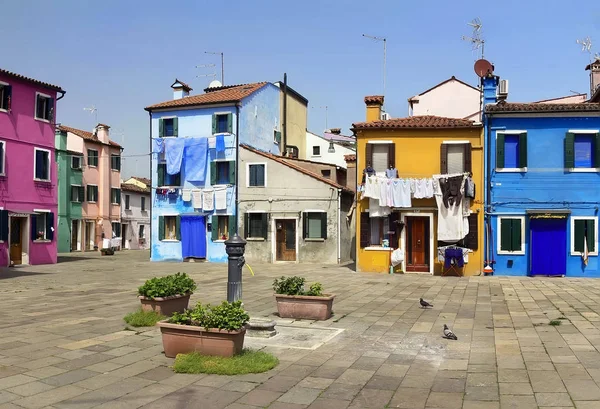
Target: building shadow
(8, 273)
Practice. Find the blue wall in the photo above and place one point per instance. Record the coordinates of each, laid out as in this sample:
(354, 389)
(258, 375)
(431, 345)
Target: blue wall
(545, 185)
(259, 117)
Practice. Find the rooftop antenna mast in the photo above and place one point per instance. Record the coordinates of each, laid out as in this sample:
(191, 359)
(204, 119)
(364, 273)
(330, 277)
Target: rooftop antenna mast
(586, 47)
(222, 64)
(94, 111)
(476, 39)
(211, 75)
(384, 40)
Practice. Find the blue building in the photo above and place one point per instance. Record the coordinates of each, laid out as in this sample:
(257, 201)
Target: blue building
(195, 143)
(542, 172)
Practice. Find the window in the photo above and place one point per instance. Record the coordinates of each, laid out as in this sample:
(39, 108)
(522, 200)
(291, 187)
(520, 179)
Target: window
(315, 225)
(77, 193)
(168, 127)
(143, 204)
(115, 162)
(291, 151)
(42, 165)
(255, 225)
(222, 227)
(141, 231)
(126, 202)
(164, 179)
(471, 240)
(276, 136)
(584, 232)
(92, 193)
(222, 173)
(116, 229)
(582, 150)
(455, 158)
(381, 155)
(222, 123)
(373, 230)
(256, 175)
(316, 151)
(42, 226)
(326, 173)
(76, 162)
(44, 107)
(115, 196)
(512, 235)
(511, 151)
(92, 157)
(168, 228)
(5, 96)
(2, 158)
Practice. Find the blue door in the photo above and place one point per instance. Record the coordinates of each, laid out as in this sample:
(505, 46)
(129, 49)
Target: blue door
(193, 236)
(548, 247)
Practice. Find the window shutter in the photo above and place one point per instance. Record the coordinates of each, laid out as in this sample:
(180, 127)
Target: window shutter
(265, 225)
(505, 234)
(230, 123)
(161, 128)
(213, 173)
(89, 194)
(231, 226)
(516, 235)
(50, 109)
(161, 227)
(178, 227)
(38, 164)
(569, 151)
(596, 152)
(324, 225)
(161, 174)
(369, 155)
(143, 203)
(231, 172)
(126, 201)
(392, 154)
(7, 97)
(500, 150)
(471, 240)
(252, 175)
(4, 225)
(467, 158)
(214, 124)
(365, 230)
(443, 159)
(214, 228)
(246, 225)
(304, 225)
(579, 234)
(590, 230)
(50, 226)
(277, 137)
(175, 126)
(118, 196)
(81, 193)
(176, 179)
(523, 150)
(33, 219)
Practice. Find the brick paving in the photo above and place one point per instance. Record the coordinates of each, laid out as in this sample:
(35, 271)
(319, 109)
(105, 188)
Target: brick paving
(63, 343)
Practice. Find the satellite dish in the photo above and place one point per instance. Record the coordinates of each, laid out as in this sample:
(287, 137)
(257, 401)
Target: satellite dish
(483, 67)
(215, 84)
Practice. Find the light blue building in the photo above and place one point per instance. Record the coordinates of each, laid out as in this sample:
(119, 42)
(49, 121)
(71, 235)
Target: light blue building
(542, 184)
(194, 209)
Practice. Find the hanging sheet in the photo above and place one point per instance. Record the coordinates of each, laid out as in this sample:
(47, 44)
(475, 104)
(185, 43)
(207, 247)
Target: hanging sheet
(196, 152)
(174, 148)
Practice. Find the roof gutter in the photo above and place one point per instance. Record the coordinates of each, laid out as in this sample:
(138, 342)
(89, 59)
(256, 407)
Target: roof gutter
(62, 95)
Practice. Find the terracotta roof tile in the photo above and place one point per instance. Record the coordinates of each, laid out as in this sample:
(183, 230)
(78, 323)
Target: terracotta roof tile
(425, 121)
(350, 158)
(88, 136)
(145, 181)
(184, 85)
(374, 99)
(537, 107)
(300, 169)
(229, 94)
(129, 187)
(33, 80)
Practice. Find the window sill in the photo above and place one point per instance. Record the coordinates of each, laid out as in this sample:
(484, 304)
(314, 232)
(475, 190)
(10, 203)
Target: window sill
(576, 253)
(219, 241)
(75, 201)
(583, 170)
(92, 166)
(511, 253)
(315, 239)
(42, 120)
(115, 170)
(260, 187)
(170, 240)
(511, 170)
(4, 110)
(222, 133)
(41, 180)
(374, 248)
(91, 201)
(255, 239)
(42, 241)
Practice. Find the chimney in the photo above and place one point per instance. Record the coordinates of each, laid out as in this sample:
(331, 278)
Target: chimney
(101, 132)
(594, 68)
(374, 104)
(180, 89)
(490, 85)
(335, 131)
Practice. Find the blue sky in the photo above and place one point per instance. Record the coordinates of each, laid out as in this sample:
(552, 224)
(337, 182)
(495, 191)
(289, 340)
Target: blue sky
(123, 55)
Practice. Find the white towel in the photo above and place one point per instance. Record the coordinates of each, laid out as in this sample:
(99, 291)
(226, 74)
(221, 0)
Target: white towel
(212, 142)
(186, 195)
(197, 198)
(208, 202)
(221, 199)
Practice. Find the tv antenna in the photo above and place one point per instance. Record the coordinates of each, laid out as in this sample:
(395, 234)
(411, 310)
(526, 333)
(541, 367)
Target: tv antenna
(94, 111)
(326, 107)
(212, 74)
(586, 47)
(222, 64)
(476, 39)
(384, 40)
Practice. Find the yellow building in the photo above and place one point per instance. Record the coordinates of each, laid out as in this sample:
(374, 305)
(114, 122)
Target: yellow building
(418, 147)
(293, 114)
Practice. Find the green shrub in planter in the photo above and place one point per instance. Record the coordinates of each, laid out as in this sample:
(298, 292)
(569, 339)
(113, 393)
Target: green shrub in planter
(295, 286)
(227, 316)
(175, 284)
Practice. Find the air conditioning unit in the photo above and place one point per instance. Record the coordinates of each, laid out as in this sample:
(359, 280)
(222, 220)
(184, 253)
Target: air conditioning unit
(503, 88)
(385, 116)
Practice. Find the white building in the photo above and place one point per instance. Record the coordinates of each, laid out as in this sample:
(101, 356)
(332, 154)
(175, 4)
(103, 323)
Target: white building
(329, 148)
(135, 213)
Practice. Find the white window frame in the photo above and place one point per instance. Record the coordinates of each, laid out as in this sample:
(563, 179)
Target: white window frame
(80, 161)
(313, 151)
(49, 164)
(584, 132)
(125, 197)
(499, 236)
(97, 194)
(403, 242)
(170, 136)
(248, 174)
(3, 170)
(111, 198)
(81, 199)
(274, 238)
(38, 94)
(232, 122)
(509, 170)
(97, 158)
(36, 213)
(304, 212)
(595, 219)
(5, 84)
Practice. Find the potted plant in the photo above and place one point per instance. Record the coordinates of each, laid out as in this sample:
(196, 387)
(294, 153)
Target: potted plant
(167, 295)
(294, 302)
(206, 329)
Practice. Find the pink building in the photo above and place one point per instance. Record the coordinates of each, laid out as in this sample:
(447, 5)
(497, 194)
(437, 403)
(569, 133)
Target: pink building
(28, 177)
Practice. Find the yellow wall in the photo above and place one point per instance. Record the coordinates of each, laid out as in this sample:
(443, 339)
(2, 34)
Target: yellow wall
(296, 122)
(418, 155)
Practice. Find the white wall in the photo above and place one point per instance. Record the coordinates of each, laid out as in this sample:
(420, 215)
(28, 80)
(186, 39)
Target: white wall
(74, 142)
(336, 158)
(134, 217)
(452, 100)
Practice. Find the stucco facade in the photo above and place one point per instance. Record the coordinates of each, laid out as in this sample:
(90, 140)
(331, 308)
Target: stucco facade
(317, 149)
(452, 98)
(28, 175)
(296, 119)
(135, 216)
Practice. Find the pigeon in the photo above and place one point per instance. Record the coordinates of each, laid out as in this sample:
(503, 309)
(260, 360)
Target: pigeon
(424, 303)
(448, 334)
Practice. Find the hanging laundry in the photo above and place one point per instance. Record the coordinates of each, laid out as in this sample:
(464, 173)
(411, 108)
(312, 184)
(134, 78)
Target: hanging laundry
(158, 145)
(428, 188)
(391, 173)
(212, 142)
(452, 189)
(401, 193)
(453, 225)
(420, 191)
(390, 193)
(220, 143)
(371, 188)
(186, 195)
(174, 148)
(208, 202)
(383, 191)
(470, 188)
(221, 199)
(378, 211)
(197, 199)
(196, 152)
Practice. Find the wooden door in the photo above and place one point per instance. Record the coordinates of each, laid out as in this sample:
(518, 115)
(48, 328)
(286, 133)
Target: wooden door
(417, 244)
(16, 241)
(286, 240)
(74, 234)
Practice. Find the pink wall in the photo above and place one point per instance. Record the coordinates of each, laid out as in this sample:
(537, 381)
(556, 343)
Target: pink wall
(18, 191)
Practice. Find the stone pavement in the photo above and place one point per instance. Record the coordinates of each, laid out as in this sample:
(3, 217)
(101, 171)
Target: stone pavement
(63, 343)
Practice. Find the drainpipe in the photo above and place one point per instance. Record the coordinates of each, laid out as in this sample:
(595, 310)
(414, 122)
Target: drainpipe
(284, 126)
(62, 95)
(151, 189)
(339, 232)
(237, 166)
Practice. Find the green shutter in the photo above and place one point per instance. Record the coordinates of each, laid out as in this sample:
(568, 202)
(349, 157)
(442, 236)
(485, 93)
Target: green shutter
(277, 137)
(516, 234)
(265, 225)
(591, 235)
(505, 234)
(231, 172)
(246, 225)
(324, 225)
(569, 151)
(214, 232)
(214, 124)
(161, 174)
(579, 234)
(161, 228)
(118, 196)
(178, 227)
(230, 123)
(176, 179)
(213, 173)
(523, 150)
(232, 226)
(499, 151)
(305, 225)
(161, 128)
(175, 126)
(597, 151)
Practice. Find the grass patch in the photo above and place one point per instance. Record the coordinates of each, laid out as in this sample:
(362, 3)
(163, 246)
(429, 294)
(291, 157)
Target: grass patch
(555, 323)
(247, 362)
(143, 318)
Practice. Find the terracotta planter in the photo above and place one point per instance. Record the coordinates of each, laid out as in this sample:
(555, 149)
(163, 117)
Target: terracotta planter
(304, 306)
(165, 305)
(183, 339)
